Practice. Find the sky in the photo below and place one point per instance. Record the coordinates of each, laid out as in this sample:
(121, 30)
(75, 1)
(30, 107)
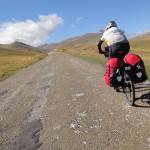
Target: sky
(36, 22)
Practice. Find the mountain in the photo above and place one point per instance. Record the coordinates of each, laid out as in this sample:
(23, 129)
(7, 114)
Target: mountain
(141, 34)
(89, 37)
(42, 45)
(20, 46)
(100, 30)
(147, 34)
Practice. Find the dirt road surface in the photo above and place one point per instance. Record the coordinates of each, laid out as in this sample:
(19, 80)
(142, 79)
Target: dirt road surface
(63, 103)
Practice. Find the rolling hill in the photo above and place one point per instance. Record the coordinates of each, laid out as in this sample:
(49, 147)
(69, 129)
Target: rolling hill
(93, 37)
(20, 46)
(89, 37)
(143, 41)
(147, 34)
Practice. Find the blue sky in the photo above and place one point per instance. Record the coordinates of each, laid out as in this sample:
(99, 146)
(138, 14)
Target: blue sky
(36, 22)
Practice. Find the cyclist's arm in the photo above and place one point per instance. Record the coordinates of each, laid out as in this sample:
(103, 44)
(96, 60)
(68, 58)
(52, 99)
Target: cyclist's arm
(99, 47)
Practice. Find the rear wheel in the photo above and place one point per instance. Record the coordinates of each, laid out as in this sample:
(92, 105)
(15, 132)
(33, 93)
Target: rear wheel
(129, 90)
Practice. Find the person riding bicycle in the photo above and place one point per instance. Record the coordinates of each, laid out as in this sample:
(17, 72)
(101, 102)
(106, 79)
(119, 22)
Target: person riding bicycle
(118, 45)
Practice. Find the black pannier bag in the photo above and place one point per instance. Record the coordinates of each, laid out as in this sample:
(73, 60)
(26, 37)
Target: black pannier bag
(138, 67)
(114, 76)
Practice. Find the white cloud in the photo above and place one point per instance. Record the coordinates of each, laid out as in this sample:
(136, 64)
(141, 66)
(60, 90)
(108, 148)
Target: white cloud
(79, 19)
(29, 32)
(73, 25)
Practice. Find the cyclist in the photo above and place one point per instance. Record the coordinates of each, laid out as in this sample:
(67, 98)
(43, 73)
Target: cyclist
(118, 45)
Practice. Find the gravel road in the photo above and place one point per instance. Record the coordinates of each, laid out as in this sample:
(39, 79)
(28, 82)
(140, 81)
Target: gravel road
(63, 103)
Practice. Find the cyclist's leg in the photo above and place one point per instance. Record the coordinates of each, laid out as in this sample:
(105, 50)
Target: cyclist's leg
(124, 50)
(113, 51)
(112, 54)
(119, 50)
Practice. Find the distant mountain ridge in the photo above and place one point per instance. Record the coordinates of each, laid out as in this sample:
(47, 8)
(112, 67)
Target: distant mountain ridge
(20, 46)
(23, 46)
(86, 38)
(89, 37)
(146, 35)
(140, 34)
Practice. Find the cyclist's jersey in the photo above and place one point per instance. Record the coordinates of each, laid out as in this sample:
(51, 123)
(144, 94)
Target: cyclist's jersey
(113, 36)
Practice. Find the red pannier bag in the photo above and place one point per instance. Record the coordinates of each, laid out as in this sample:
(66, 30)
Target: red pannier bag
(138, 67)
(114, 76)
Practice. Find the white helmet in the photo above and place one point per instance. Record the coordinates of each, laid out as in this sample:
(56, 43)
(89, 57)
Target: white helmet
(111, 24)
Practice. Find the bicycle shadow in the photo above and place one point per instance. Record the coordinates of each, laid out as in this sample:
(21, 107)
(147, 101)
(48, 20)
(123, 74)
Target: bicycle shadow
(145, 98)
(142, 87)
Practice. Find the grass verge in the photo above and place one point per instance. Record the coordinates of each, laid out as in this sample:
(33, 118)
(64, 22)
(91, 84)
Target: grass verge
(12, 61)
(103, 61)
(95, 60)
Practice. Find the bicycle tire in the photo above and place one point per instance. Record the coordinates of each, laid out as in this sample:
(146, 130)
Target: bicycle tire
(129, 90)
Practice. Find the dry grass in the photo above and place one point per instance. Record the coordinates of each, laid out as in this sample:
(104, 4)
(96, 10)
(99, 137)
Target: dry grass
(89, 51)
(11, 61)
